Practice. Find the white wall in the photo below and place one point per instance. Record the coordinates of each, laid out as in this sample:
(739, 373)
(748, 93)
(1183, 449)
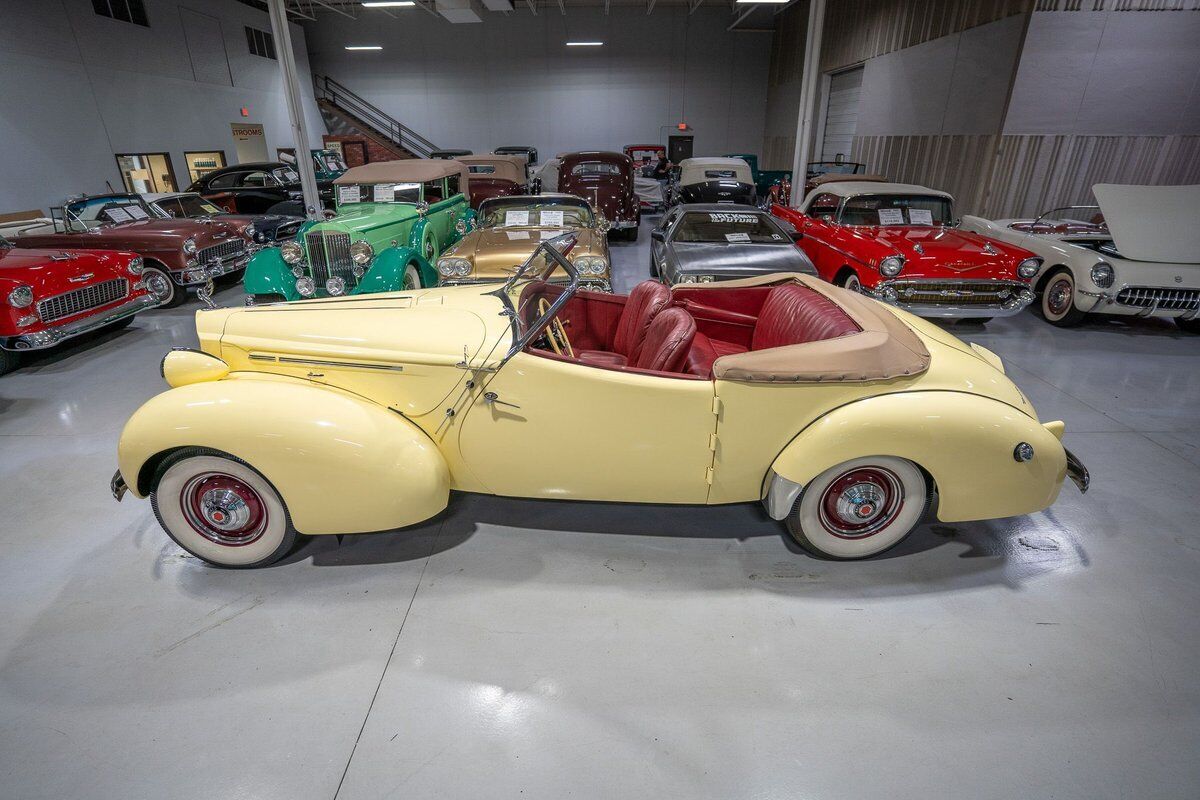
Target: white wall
(76, 87)
(1108, 73)
(511, 81)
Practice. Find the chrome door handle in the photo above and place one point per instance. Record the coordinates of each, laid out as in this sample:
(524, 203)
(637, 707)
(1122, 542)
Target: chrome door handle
(491, 398)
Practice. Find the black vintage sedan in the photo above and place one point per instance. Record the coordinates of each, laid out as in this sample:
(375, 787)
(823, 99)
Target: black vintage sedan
(713, 180)
(702, 243)
(268, 187)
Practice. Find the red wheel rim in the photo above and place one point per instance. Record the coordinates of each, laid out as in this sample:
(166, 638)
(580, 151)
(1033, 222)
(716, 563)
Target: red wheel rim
(223, 509)
(1058, 296)
(861, 502)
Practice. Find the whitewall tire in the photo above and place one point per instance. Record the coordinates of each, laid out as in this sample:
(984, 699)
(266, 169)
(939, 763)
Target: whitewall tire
(412, 278)
(850, 281)
(221, 510)
(859, 508)
(1058, 299)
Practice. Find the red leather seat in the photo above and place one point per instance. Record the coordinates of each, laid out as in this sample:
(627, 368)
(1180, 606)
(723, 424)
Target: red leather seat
(705, 351)
(667, 341)
(795, 314)
(645, 302)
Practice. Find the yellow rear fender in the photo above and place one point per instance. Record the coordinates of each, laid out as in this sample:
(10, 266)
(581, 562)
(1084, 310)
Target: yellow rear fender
(341, 463)
(964, 442)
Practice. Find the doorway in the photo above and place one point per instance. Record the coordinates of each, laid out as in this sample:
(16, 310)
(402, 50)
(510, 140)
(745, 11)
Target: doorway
(200, 163)
(146, 172)
(679, 148)
(841, 114)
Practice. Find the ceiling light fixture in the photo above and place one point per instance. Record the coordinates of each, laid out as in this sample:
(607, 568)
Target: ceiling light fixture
(390, 4)
(585, 44)
(363, 47)
(763, 2)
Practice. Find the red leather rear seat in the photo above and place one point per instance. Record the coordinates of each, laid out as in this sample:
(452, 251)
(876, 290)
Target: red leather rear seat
(792, 314)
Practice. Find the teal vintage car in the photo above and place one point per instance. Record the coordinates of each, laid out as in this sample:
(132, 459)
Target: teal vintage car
(393, 220)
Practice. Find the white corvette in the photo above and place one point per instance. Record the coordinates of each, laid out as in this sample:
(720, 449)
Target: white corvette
(1137, 252)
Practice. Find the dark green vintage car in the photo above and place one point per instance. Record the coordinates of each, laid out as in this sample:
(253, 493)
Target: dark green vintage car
(394, 219)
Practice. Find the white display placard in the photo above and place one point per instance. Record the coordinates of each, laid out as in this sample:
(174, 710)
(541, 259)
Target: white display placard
(920, 216)
(891, 216)
(118, 215)
(348, 194)
(515, 235)
(552, 218)
(383, 193)
(137, 212)
(737, 237)
(516, 217)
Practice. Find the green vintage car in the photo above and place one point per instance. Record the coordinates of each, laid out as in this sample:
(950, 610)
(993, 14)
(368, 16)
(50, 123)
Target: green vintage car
(394, 219)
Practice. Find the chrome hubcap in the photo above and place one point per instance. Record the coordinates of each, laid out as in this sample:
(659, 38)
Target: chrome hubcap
(223, 509)
(1058, 296)
(159, 285)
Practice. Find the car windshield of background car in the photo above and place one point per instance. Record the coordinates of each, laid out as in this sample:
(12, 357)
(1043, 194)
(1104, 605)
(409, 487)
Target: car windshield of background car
(527, 214)
(896, 209)
(286, 175)
(378, 193)
(194, 206)
(97, 210)
(727, 227)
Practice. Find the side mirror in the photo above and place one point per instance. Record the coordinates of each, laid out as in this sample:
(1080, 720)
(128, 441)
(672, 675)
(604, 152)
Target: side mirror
(422, 208)
(658, 235)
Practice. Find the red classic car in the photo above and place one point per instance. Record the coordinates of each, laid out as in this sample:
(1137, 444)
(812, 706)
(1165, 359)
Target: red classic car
(644, 155)
(495, 175)
(899, 243)
(178, 253)
(50, 296)
(606, 180)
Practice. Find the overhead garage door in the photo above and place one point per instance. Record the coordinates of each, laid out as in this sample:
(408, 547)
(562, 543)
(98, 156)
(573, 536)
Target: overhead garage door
(841, 114)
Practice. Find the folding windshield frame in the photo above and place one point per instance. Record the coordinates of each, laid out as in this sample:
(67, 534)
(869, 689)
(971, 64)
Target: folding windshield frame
(558, 259)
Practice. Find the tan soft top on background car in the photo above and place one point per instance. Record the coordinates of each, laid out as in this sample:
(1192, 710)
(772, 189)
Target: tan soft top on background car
(405, 170)
(691, 170)
(509, 168)
(883, 349)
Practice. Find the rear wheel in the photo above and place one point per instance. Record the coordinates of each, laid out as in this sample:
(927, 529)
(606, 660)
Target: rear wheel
(859, 508)
(1058, 299)
(221, 510)
(159, 282)
(1188, 325)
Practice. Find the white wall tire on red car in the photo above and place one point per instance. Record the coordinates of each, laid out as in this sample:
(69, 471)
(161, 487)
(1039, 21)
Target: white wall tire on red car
(221, 510)
(859, 508)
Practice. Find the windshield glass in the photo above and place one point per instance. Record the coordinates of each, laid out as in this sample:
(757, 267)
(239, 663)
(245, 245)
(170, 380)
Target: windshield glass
(535, 213)
(727, 227)
(529, 296)
(331, 162)
(118, 209)
(286, 175)
(896, 209)
(378, 193)
(194, 205)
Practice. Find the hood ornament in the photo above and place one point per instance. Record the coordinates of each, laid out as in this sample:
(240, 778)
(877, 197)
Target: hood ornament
(919, 250)
(205, 293)
(991, 251)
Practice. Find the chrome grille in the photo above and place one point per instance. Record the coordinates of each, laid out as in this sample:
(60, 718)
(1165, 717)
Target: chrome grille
(956, 293)
(75, 301)
(329, 255)
(231, 248)
(1166, 299)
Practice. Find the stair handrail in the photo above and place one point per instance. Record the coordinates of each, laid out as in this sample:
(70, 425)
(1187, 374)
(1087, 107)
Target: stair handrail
(329, 89)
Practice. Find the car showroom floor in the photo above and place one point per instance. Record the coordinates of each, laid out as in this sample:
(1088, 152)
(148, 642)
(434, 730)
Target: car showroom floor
(544, 649)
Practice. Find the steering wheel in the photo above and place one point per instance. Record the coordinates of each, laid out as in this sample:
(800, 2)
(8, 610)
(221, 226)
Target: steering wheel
(555, 332)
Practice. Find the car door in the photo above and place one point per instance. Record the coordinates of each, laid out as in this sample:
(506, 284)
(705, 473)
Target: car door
(819, 226)
(542, 427)
(221, 189)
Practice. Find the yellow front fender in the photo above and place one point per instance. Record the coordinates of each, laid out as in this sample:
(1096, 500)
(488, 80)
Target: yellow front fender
(342, 464)
(964, 441)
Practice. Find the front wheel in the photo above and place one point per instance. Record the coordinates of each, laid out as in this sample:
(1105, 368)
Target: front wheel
(159, 283)
(849, 280)
(412, 278)
(1188, 325)
(1058, 300)
(221, 510)
(859, 508)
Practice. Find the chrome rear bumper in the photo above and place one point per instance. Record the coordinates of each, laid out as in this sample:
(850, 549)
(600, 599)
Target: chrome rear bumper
(55, 334)
(1077, 472)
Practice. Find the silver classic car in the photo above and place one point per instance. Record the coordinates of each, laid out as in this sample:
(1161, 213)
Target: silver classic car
(702, 243)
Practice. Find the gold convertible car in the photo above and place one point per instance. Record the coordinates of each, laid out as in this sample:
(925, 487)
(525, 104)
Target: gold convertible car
(362, 413)
(509, 229)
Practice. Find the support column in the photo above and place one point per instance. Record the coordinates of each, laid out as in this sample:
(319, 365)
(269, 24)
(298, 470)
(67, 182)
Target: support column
(291, 91)
(808, 98)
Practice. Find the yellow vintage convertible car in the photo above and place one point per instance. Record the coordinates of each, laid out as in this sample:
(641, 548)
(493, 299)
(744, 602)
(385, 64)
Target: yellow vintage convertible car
(355, 414)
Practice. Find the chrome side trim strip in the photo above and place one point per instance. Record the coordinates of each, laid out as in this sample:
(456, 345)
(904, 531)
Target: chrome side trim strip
(321, 362)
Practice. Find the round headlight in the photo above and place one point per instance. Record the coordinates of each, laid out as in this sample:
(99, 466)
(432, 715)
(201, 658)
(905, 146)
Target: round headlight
(361, 252)
(687, 279)
(135, 265)
(20, 297)
(463, 267)
(1029, 267)
(891, 266)
(189, 245)
(446, 266)
(599, 265)
(291, 252)
(1103, 275)
(306, 287)
(335, 286)
(250, 231)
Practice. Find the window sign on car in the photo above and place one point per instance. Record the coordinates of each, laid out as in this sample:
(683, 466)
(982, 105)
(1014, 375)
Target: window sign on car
(137, 212)
(749, 219)
(384, 193)
(348, 194)
(516, 217)
(891, 216)
(737, 237)
(552, 217)
(289, 175)
(920, 216)
(117, 215)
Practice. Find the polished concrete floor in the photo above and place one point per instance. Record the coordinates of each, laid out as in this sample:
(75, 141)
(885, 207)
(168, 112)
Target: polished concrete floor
(546, 650)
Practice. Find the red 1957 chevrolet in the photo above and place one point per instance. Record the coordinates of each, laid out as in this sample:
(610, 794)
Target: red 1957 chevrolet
(178, 253)
(49, 296)
(900, 243)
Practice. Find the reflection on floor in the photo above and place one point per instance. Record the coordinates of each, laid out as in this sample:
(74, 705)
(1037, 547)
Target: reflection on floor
(549, 649)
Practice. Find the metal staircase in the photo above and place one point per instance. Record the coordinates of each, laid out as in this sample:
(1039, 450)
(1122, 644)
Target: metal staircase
(353, 112)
